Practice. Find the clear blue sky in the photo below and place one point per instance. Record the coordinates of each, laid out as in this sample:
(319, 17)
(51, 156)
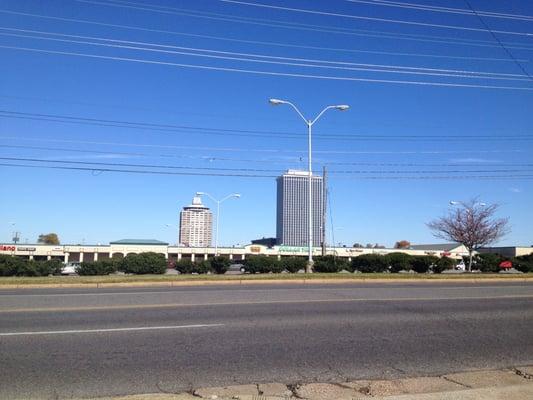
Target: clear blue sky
(434, 128)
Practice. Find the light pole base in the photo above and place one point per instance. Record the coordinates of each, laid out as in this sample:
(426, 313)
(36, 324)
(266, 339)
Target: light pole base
(309, 267)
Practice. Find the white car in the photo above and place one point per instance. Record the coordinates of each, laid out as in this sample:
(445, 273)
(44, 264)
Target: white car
(461, 266)
(69, 268)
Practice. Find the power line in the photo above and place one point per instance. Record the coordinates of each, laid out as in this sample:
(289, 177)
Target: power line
(425, 7)
(331, 14)
(251, 149)
(285, 161)
(381, 68)
(285, 25)
(492, 33)
(244, 132)
(278, 171)
(146, 172)
(270, 73)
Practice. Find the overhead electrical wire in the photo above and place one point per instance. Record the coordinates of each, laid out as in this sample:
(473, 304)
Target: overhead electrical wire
(350, 16)
(247, 132)
(239, 170)
(491, 32)
(270, 73)
(149, 172)
(285, 161)
(452, 10)
(342, 65)
(285, 25)
(261, 150)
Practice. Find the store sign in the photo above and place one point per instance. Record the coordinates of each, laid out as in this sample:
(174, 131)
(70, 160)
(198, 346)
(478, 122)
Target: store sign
(255, 249)
(7, 248)
(26, 248)
(293, 249)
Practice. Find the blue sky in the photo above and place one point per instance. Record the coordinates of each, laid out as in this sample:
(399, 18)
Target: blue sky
(391, 132)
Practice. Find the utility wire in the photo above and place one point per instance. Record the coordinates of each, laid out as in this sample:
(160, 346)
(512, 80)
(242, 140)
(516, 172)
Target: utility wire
(277, 171)
(425, 7)
(245, 132)
(302, 62)
(270, 73)
(286, 25)
(331, 14)
(492, 33)
(149, 172)
(263, 150)
(284, 161)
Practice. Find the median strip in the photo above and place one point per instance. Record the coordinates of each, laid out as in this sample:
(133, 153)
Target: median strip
(141, 328)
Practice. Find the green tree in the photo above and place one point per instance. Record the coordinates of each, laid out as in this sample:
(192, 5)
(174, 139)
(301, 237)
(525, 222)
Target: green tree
(423, 264)
(399, 261)
(48, 238)
(329, 264)
(293, 264)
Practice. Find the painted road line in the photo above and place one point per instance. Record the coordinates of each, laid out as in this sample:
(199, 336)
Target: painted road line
(140, 328)
(245, 303)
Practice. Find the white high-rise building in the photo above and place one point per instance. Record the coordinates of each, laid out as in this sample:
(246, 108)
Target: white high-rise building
(196, 224)
(292, 227)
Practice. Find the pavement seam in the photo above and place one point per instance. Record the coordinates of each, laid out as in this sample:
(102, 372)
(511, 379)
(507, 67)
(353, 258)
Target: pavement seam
(522, 374)
(454, 381)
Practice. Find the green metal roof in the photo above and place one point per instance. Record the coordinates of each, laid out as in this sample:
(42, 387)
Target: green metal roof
(140, 242)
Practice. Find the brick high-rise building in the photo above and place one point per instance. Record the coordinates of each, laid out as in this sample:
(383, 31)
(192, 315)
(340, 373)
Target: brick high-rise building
(196, 225)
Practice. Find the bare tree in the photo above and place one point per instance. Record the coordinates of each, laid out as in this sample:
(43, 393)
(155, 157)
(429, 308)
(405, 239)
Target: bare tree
(472, 224)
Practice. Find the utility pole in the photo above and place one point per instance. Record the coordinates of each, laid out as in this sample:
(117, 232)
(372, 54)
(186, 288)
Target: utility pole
(324, 202)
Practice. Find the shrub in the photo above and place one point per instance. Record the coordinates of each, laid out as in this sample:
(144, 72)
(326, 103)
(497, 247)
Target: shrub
(488, 262)
(203, 267)
(329, 264)
(370, 263)
(444, 263)
(293, 264)
(220, 264)
(260, 264)
(102, 267)
(423, 264)
(9, 265)
(523, 263)
(144, 263)
(184, 266)
(399, 261)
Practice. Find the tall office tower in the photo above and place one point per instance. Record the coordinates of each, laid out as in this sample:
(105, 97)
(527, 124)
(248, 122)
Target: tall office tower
(292, 225)
(196, 224)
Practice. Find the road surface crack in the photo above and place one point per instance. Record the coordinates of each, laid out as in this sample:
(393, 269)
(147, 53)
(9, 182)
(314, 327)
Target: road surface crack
(523, 374)
(454, 381)
(293, 387)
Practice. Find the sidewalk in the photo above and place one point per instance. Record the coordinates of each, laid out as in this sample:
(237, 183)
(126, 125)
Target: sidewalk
(506, 384)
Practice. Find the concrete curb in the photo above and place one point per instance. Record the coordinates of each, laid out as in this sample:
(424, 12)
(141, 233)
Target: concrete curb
(97, 285)
(509, 384)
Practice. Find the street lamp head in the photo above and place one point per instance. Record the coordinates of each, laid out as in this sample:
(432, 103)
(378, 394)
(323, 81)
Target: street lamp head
(276, 102)
(453, 203)
(236, 195)
(482, 204)
(200, 193)
(342, 107)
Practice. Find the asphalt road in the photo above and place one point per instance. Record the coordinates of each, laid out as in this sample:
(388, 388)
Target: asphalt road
(93, 342)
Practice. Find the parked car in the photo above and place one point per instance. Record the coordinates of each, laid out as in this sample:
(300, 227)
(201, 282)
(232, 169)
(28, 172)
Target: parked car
(69, 268)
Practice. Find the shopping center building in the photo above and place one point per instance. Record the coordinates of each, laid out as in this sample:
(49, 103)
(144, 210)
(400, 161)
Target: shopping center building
(121, 248)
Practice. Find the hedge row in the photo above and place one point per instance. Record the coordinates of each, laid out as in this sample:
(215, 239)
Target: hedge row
(142, 263)
(491, 262)
(15, 266)
(394, 262)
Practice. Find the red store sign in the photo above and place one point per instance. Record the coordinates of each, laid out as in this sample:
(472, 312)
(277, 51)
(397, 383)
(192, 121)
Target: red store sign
(7, 248)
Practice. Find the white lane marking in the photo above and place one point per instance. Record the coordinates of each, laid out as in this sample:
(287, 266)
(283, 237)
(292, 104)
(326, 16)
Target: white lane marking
(178, 291)
(141, 328)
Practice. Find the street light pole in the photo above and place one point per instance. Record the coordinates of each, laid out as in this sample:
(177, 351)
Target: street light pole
(309, 123)
(233, 195)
